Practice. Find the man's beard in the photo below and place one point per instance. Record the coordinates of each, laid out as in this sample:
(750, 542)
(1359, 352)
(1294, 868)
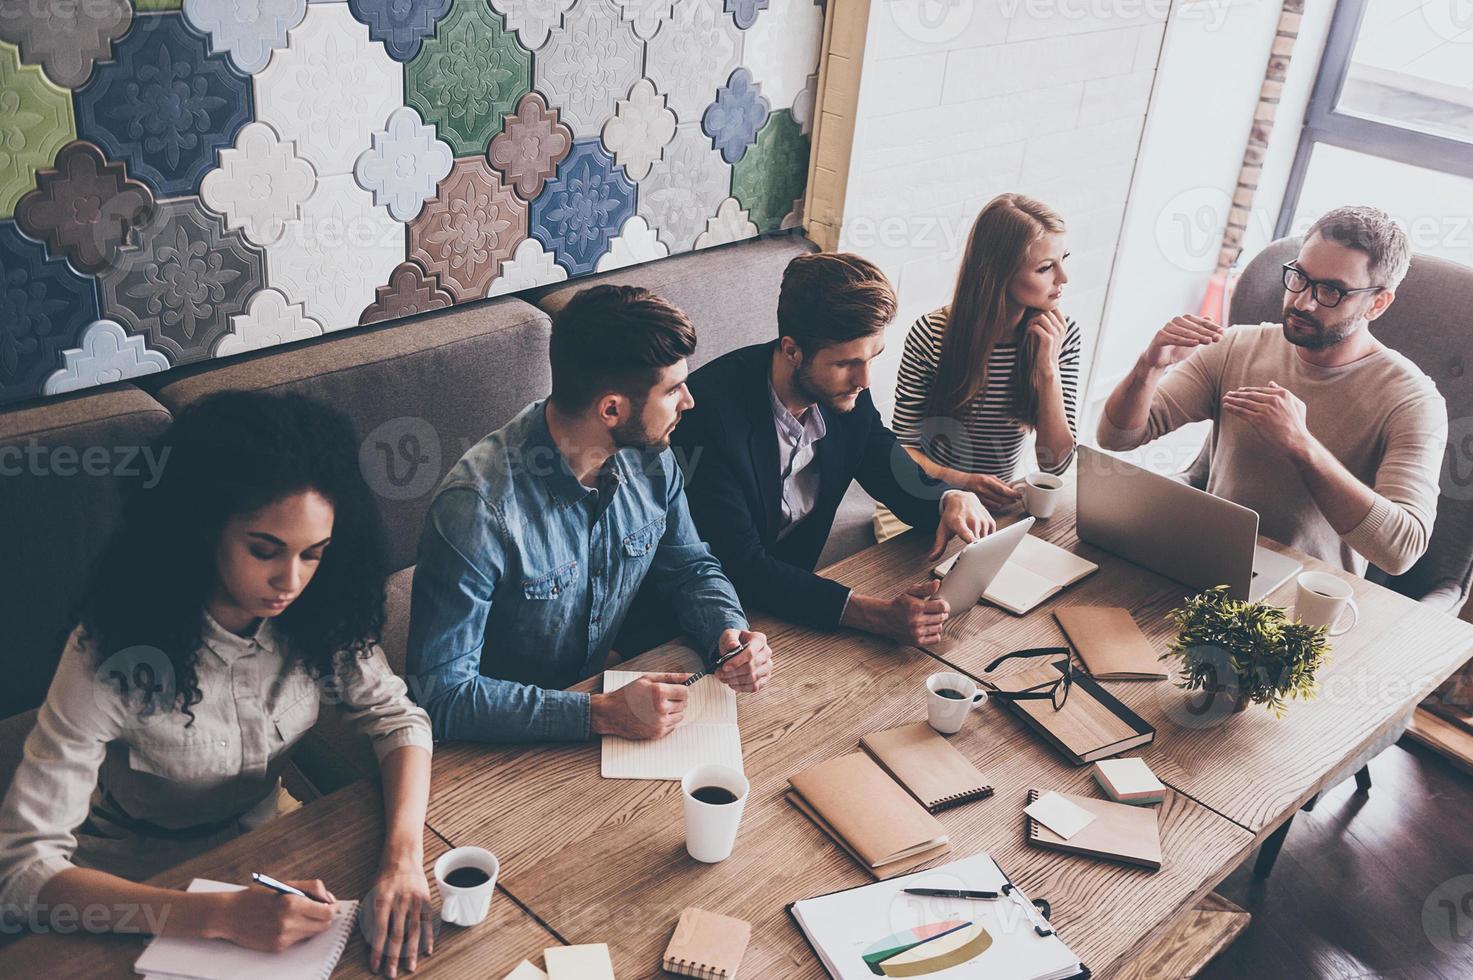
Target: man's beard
(632, 434)
(809, 391)
(1311, 334)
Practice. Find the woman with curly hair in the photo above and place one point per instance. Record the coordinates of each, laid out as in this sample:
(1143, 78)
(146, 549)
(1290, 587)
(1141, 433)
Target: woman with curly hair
(239, 592)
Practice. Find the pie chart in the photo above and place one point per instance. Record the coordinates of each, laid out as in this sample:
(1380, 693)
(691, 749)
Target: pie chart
(927, 949)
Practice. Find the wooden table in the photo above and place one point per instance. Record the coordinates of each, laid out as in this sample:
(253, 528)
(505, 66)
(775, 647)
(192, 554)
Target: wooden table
(337, 839)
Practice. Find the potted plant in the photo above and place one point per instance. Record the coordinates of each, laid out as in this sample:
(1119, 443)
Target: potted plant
(1248, 651)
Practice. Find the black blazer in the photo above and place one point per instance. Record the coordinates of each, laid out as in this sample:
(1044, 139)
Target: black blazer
(728, 446)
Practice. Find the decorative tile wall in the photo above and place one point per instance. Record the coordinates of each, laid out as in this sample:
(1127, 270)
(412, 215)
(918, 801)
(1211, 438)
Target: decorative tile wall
(183, 181)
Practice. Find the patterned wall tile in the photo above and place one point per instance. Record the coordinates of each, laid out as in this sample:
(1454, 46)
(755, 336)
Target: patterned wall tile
(471, 226)
(639, 129)
(35, 122)
(529, 266)
(528, 150)
(732, 121)
(645, 16)
(260, 184)
(410, 290)
(65, 39)
(337, 253)
(85, 208)
(468, 77)
(636, 243)
(693, 55)
(533, 20)
(731, 224)
(684, 188)
(185, 278)
(583, 207)
(401, 26)
(404, 164)
(270, 319)
(805, 104)
(330, 89)
(744, 12)
(780, 47)
(44, 306)
(157, 4)
(772, 174)
(248, 32)
(592, 56)
(165, 105)
(104, 354)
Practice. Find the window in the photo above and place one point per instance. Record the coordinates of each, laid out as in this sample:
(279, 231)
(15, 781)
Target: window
(1390, 123)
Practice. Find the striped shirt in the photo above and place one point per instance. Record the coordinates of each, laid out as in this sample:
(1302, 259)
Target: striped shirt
(984, 437)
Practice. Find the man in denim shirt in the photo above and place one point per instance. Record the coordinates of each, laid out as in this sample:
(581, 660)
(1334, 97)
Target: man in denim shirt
(541, 535)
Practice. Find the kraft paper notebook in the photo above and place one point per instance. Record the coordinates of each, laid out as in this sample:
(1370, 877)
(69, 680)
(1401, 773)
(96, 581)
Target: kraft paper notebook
(877, 930)
(868, 814)
(706, 945)
(1093, 724)
(707, 734)
(1109, 642)
(927, 765)
(1119, 832)
(177, 958)
(1036, 572)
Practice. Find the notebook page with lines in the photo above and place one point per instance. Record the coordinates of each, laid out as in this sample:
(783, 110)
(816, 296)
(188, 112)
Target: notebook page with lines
(707, 734)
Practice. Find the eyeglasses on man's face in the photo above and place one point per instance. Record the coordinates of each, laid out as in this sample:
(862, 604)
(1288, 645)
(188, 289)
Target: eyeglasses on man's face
(1056, 691)
(1326, 294)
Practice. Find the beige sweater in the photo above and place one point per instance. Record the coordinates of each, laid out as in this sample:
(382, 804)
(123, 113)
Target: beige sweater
(1381, 417)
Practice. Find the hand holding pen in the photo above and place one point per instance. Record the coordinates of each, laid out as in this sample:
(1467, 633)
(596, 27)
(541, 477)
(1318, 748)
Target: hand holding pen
(745, 666)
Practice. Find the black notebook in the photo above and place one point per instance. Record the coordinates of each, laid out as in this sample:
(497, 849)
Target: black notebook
(1093, 724)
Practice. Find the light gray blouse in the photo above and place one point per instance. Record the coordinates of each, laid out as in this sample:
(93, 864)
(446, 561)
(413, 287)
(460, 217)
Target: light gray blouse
(93, 745)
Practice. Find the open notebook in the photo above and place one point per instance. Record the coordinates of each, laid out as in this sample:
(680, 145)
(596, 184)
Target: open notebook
(707, 734)
(172, 958)
(1034, 573)
(878, 930)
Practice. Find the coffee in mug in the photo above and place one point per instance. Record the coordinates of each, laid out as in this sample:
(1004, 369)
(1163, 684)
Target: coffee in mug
(949, 697)
(1322, 600)
(466, 877)
(1041, 493)
(714, 797)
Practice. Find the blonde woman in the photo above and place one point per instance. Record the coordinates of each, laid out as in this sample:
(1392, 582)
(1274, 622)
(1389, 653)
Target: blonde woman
(996, 364)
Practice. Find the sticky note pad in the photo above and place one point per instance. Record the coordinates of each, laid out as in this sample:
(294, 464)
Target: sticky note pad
(525, 971)
(1059, 815)
(588, 962)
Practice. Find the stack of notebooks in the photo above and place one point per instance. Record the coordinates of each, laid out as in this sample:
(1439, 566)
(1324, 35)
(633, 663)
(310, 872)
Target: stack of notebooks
(1093, 724)
(879, 931)
(1034, 573)
(879, 807)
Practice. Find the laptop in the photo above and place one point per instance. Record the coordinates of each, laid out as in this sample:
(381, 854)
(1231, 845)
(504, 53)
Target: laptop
(1174, 529)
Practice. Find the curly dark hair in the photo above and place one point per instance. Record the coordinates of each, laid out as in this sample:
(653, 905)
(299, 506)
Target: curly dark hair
(229, 454)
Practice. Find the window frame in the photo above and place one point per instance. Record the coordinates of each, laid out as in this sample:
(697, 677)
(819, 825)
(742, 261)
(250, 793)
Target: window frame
(1324, 123)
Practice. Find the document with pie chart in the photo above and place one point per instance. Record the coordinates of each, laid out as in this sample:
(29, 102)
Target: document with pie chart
(879, 931)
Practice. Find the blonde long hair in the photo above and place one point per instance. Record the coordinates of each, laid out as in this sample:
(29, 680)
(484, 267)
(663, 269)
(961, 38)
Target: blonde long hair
(976, 319)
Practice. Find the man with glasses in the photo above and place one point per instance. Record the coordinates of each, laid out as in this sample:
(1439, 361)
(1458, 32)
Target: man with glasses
(1333, 438)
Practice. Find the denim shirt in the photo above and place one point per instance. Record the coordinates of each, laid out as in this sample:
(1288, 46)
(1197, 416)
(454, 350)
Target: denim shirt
(525, 576)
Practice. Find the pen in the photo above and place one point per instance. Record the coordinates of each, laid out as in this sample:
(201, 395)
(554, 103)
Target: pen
(720, 662)
(282, 887)
(949, 893)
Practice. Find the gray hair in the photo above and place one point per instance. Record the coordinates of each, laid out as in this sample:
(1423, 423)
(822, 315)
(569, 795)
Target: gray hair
(1369, 230)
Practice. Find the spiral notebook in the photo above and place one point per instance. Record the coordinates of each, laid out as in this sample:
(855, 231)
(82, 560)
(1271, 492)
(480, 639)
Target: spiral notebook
(706, 945)
(1119, 832)
(177, 958)
(927, 765)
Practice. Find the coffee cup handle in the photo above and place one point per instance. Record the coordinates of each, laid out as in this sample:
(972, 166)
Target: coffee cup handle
(1354, 611)
(978, 698)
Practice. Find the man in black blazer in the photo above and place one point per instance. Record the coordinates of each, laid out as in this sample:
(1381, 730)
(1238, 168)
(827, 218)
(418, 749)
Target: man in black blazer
(780, 429)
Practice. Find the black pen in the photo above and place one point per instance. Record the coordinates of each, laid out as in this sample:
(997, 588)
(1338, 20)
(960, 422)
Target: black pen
(266, 881)
(720, 662)
(949, 893)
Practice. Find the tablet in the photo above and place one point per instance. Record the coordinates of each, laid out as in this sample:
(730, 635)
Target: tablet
(978, 564)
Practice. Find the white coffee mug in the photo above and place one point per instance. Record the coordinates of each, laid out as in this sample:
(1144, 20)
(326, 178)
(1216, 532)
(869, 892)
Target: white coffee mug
(462, 905)
(946, 713)
(1041, 493)
(1322, 600)
(711, 827)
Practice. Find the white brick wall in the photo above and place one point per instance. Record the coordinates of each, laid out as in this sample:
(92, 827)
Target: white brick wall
(1046, 97)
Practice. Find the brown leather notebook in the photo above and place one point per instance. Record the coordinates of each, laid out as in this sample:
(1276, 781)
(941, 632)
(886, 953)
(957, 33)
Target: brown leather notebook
(1109, 642)
(1119, 832)
(868, 813)
(927, 765)
(707, 945)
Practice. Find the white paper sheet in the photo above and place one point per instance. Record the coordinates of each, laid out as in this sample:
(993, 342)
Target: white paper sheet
(1059, 815)
(707, 734)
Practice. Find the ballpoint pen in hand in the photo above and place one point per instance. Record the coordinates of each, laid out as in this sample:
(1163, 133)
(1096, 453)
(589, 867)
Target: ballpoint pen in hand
(720, 662)
(266, 881)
